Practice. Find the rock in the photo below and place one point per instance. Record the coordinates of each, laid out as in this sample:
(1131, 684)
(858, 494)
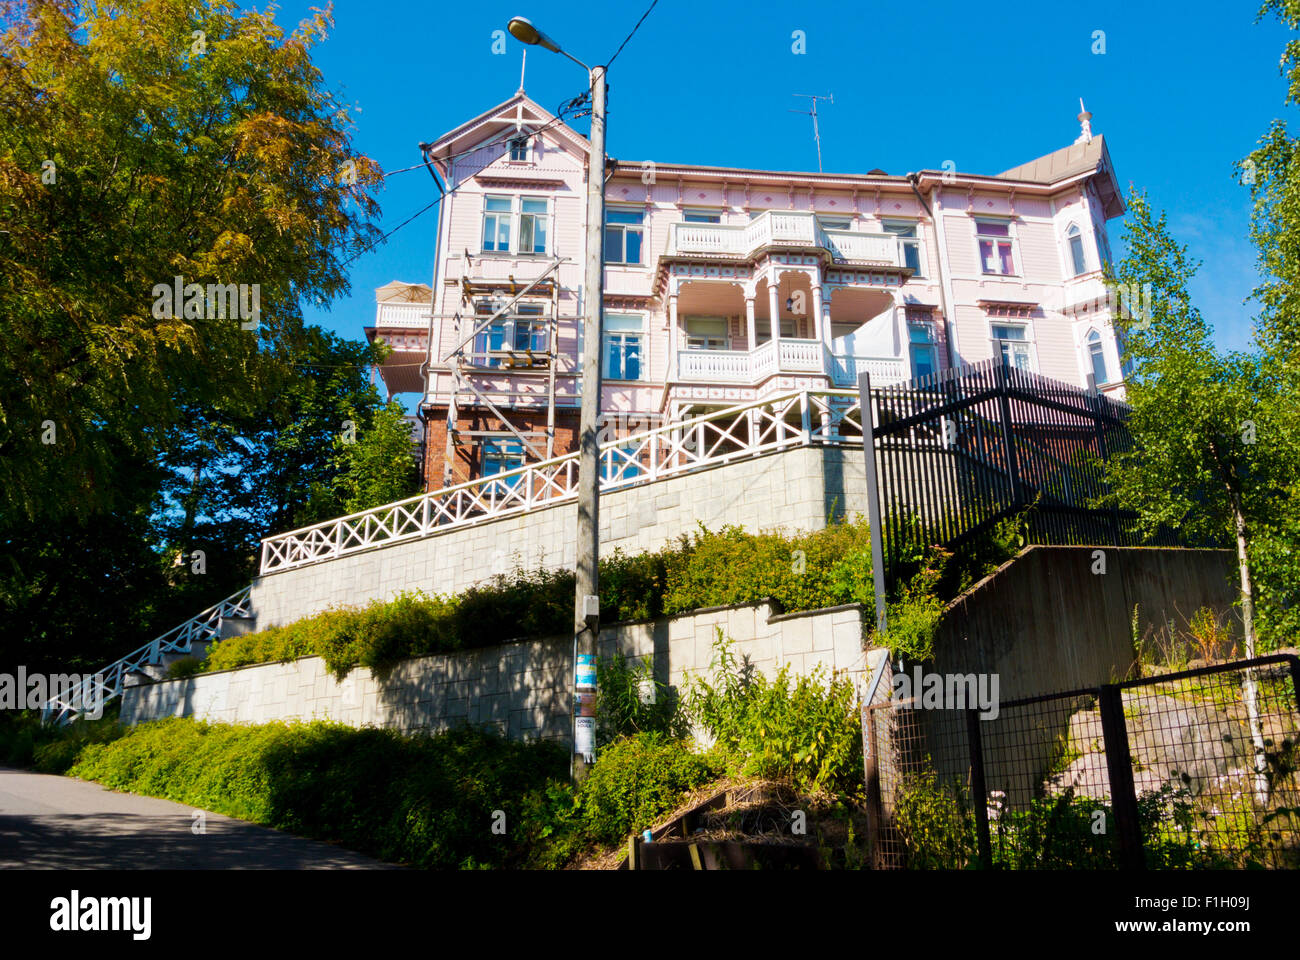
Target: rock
(1188, 743)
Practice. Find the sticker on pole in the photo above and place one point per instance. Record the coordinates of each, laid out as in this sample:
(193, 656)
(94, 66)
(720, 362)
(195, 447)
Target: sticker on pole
(584, 737)
(584, 672)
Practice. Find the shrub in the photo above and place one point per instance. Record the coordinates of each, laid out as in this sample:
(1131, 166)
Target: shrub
(637, 780)
(806, 731)
(620, 707)
(935, 823)
(424, 800)
(184, 667)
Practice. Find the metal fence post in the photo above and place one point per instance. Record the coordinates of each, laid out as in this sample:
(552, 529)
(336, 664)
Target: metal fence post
(978, 788)
(1119, 767)
(873, 501)
(871, 771)
(1008, 435)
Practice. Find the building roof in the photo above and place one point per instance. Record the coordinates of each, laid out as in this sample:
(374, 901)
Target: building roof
(1083, 156)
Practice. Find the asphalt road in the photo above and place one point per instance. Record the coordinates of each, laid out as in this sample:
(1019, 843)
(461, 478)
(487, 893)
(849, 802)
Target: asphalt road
(58, 823)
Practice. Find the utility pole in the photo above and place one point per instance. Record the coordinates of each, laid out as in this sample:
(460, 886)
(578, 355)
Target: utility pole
(587, 599)
(586, 620)
(814, 97)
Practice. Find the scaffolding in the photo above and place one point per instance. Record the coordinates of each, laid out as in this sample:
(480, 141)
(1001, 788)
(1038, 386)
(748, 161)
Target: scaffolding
(485, 302)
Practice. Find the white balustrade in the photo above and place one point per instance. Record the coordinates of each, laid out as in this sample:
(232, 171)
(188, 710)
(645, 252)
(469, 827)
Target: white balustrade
(785, 228)
(884, 371)
(402, 315)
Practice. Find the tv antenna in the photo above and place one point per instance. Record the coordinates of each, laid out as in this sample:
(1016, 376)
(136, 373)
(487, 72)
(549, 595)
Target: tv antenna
(814, 97)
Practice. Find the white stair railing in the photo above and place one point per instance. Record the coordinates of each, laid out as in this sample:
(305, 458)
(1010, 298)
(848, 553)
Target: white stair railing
(106, 684)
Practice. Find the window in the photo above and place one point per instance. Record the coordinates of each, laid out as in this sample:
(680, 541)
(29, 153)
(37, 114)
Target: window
(499, 216)
(532, 225)
(623, 346)
(523, 330)
(905, 230)
(501, 455)
(1097, 356)
(787, 329)
(836, 223)
(706, 333)
(702, 216)
(995, 243)
(1012, 344)
(1103, 244)
(496, 223)
(624, 231)
(519, 150)
(1074, 237)
(924, 358)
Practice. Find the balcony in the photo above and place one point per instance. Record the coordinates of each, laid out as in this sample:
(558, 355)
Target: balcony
(784, 356)
(792, 230)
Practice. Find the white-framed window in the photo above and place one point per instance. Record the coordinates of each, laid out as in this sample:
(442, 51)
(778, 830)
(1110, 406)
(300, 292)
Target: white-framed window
(1074, 246)
(624, 233)
(1097, 359)
(624, 346)
(500, 455)
(835, 223)
(533, 212)
(498, 222)
(905, 230)
(996, 245)
(515, 224)
(921, 349)
(519, 148)
(521, 331)
(699, 215)
(1011, 343)
(706, 333)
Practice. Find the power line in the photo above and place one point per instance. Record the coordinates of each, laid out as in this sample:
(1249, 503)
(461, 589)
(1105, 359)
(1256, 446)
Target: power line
(653, 4)
(450, 190)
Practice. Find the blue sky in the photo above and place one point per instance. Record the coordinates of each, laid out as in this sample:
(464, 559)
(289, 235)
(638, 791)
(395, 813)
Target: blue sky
(1181, 92)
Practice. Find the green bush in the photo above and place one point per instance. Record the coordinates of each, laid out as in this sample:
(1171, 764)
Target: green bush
(620, 709)
(637, 780)
(935, 822)
(806, 731)
(26, 742)
(423, 800)
(184, 667)
(799, 572)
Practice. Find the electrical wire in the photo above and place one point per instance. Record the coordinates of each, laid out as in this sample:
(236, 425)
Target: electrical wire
(452, 189)
(653, 4)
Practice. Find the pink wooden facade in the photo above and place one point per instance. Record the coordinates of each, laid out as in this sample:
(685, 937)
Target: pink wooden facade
(727, 285)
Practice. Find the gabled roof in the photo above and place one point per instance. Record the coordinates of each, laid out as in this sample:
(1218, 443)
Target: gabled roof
(519, 110)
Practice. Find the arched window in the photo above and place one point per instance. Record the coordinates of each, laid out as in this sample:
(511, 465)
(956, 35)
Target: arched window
(1097, 354)
(1074, 237)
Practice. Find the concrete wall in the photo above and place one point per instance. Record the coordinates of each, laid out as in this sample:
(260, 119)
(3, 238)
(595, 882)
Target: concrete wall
(1045, 622)
(521, 689)
(795, 490)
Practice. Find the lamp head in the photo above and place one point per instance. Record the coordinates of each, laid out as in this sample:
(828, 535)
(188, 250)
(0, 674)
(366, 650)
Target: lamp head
(522, 29)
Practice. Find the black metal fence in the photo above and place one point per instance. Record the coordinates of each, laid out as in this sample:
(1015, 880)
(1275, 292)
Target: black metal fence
(1194, 769)
(960, 450)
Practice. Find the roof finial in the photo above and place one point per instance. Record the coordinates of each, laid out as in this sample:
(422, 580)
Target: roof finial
(524, 63)
(1084, 117)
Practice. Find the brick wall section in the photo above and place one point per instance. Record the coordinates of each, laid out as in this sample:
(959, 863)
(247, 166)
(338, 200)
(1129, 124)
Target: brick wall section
(467, 461)
(794, 490)
(520, 689)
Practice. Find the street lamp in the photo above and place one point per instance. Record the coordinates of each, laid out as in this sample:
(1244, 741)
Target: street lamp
(586, 620)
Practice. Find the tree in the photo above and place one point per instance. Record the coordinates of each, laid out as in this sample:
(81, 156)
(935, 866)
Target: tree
(1214, 451)
(141, 141)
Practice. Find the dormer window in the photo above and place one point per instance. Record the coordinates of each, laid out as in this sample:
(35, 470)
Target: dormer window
(519, 150)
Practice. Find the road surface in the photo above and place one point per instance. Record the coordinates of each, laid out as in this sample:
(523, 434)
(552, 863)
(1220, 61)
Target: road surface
(58, 823)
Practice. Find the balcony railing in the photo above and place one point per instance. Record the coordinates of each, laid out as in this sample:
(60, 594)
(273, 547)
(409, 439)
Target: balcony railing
(789, 229)
(402, 315)
(784, 356)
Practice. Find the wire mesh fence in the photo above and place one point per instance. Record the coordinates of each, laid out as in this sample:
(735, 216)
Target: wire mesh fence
(1186, 770)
